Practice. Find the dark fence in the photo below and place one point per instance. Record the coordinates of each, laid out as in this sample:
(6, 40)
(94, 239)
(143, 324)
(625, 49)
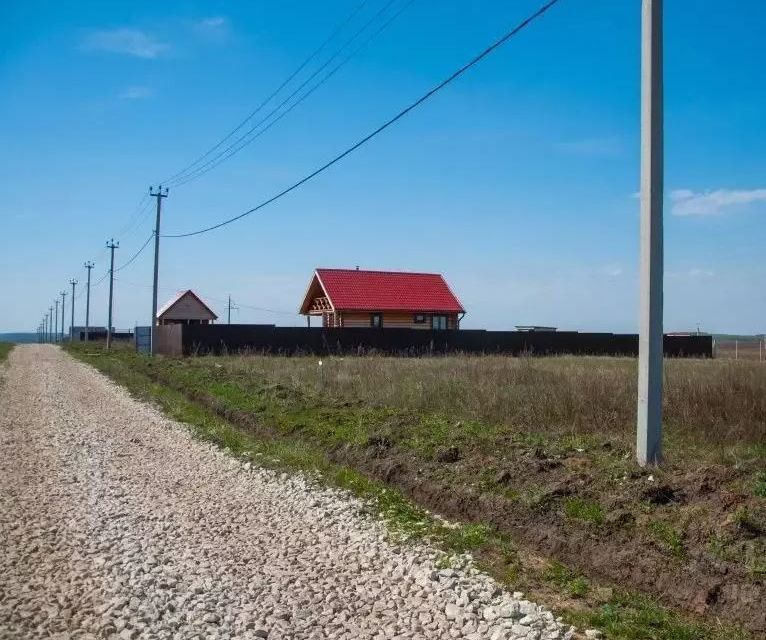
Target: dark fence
(217, 338)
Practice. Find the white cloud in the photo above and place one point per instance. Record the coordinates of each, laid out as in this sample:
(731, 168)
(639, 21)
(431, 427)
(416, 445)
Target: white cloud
(612, 270)
(136, 93)
(131, 42)
(686, 202)
(696, 272)
(215, 22)
(591, 147)
(213, 28)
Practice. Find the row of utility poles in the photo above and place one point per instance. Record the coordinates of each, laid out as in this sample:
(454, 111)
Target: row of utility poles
(48, 329)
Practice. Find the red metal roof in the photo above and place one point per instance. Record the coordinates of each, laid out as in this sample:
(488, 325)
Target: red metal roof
(356, 290)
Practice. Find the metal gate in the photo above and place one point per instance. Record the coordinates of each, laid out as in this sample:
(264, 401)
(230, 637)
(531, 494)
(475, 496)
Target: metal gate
(143, 339)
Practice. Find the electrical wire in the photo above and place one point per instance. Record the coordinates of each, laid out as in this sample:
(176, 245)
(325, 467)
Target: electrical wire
(284, 83)
(137, 213)
(495, 45)
(207, 298)
(136, 254)
(244, 141)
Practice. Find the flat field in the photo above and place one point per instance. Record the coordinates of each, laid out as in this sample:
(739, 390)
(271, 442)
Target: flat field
(536, 454)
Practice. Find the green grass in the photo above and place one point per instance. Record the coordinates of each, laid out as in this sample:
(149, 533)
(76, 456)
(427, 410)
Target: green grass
(632, 617)
(5, 349)
(759, 488)
(572, 582)
(584, 510)
(668, 537)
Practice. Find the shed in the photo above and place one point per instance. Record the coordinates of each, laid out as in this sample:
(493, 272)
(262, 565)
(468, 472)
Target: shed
(398, 299)
(186, 308)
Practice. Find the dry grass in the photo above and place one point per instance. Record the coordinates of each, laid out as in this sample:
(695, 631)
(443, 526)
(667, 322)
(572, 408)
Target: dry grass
(715, 402)
(740, 350)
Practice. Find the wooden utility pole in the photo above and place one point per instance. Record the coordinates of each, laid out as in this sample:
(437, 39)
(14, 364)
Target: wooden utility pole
(112, 245)
(56, 322)
(50, 324)
(88, 265)
(650, 357)
(159, 194)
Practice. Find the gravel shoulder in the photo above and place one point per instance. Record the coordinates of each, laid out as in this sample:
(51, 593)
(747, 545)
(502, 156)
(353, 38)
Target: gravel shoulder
(117, 524)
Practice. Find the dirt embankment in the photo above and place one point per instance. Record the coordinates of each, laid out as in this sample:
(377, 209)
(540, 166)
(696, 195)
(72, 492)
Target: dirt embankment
(622, 549)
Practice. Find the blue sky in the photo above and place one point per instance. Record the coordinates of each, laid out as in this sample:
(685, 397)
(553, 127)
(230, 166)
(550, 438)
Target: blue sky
(517, 182)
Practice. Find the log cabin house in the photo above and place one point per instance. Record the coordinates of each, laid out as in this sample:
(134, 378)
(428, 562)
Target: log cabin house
(391, 299)
(185, 308)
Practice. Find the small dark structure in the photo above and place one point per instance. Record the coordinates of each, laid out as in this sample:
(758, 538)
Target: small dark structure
(201, 339)
(186, 308)
(94, 333)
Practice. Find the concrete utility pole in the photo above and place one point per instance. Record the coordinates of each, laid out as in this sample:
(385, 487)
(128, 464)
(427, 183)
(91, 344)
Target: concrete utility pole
(63, 316)
(650, 342)
(112, 245)
(88, 265)
(159, 194)
(50, 324)
(56, 322)
(229, 308)
(73, 282)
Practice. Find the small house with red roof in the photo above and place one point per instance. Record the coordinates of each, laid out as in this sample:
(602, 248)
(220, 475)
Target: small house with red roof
(391, 299)
(186, 307)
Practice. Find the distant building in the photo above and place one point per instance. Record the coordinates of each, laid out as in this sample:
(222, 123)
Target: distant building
(186, 308)
(535, 327)
(94, 333)
(358, 298)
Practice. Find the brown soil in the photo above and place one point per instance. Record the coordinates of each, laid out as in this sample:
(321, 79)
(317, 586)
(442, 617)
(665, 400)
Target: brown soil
(618, 551)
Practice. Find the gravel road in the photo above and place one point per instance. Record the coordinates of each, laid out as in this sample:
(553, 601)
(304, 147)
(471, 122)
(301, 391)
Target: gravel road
(116, 523)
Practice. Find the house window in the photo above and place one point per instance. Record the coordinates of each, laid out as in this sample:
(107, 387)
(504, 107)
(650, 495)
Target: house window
(376, 320)
(420, 318)
(439, 322)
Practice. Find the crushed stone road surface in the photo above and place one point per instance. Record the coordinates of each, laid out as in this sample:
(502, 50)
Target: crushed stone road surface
(116, 523)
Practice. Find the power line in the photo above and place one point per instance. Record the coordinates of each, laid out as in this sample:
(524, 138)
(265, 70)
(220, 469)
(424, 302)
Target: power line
(208, 298)
(284, 83)
(135, 216)
(136, 254)
(507, 36)
(238, 144)
(244, 140)
(130, 229)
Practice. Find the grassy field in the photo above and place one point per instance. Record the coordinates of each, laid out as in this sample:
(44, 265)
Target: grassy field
(5, 349)
(721, 404)
(533, 455)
